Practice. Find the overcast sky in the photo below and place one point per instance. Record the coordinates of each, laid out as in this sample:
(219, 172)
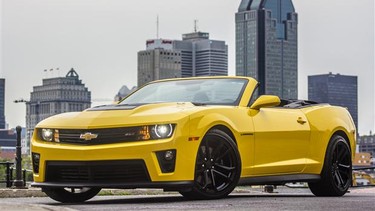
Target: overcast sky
(100, 40)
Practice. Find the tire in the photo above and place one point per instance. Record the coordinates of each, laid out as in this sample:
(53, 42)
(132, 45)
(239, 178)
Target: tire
(336, 176)
(217, 169)
(71, 195)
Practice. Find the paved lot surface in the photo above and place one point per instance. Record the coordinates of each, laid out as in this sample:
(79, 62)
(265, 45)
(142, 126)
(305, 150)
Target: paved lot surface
(242, 199)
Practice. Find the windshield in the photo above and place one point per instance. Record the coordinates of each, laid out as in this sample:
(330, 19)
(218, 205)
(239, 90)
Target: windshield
(218, 91)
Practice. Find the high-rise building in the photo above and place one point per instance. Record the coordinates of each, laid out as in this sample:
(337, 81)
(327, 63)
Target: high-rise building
(194, 55)
(158, 61)
(2, 103)
(266, 45)
(340, 90)
(202, 56)
(55, 96)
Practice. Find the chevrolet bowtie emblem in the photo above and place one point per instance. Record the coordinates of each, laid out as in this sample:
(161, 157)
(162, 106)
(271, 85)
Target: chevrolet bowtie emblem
(88, 136)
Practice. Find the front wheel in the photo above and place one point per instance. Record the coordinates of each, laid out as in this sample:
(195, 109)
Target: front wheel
(217, 169)
(71, 195)
(336, 176)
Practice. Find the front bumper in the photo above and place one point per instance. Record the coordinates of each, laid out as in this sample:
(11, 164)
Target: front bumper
(170, 186)
(107, 155)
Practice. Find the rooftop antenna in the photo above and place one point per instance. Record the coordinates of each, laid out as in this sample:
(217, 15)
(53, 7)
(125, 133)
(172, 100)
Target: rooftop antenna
(157, 27)
(45, 73)
(195, 25)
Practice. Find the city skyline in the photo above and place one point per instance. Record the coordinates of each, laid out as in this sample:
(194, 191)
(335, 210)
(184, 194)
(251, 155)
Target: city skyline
(101, 38)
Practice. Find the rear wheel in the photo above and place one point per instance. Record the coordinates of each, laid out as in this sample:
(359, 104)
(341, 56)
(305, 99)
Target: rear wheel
(71, 195)
(217, 169)
(336, 176)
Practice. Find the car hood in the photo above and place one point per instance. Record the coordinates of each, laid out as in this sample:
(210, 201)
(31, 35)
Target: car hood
(118, 116)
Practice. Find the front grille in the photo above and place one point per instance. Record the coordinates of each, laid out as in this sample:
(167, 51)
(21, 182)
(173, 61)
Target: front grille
(97, 171)
(104, 136)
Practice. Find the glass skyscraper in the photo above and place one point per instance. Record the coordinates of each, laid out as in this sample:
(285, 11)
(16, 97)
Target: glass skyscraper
(340, 90)
(201, 56)
(266, 45)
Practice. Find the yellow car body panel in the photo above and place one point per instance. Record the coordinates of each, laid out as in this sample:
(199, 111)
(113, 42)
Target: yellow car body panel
(271, 141)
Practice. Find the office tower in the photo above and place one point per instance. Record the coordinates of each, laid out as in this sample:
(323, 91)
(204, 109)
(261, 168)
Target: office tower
(55, 96)
(201, 56)
(158, 61)
(194, 55)
(341, 90)
(266, 45)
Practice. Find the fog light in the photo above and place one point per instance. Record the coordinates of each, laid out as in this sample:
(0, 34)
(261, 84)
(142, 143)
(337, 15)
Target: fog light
(168, 155)
(167, 160)
(35, 159)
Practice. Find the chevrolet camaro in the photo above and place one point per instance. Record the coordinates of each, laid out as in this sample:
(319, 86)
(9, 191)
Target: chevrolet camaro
(201, 137)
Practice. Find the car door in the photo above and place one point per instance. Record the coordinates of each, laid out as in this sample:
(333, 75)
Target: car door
(281, 139)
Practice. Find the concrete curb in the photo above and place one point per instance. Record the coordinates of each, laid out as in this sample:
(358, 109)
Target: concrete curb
(17, 193)
(32, 207)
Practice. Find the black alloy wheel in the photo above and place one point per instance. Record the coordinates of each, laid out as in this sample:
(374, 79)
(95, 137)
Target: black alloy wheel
(218, 167)
(71, 195)
(336, 176)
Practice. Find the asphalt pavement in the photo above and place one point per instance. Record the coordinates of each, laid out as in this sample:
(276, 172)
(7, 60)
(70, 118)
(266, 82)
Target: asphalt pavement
(114, 199)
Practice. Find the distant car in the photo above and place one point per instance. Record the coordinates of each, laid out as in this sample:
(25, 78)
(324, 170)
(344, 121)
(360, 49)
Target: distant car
(199, 136)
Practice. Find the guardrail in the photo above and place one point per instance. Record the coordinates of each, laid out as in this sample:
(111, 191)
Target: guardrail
(363, 174)
(363, 168)
(9, 179)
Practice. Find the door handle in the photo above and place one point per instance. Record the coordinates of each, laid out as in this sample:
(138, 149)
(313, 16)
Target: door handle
(301, 121)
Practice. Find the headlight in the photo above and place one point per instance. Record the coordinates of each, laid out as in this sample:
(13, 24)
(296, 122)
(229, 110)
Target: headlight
(163, 131)
(47, 134)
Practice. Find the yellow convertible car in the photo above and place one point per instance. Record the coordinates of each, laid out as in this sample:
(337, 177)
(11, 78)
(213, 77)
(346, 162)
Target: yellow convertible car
(201, 137)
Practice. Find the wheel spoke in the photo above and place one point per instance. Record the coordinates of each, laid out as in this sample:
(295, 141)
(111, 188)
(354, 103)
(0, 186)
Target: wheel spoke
(206, 180)
(222, 155)
(341, 153)
(213, 180)
(335, 154)
(208, 153)
(217, 149)
(344, 166)
(228, 168)
(201, 152)
(222, 174)
(340, 181)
